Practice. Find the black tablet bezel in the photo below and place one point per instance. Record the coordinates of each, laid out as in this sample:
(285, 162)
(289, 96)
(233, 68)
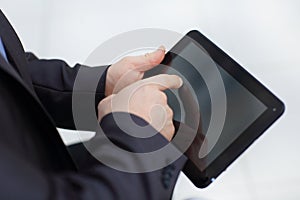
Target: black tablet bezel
(275, 109)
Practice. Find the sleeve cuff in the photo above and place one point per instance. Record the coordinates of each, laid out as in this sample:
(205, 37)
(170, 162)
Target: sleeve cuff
(100, 91)
(139, 136)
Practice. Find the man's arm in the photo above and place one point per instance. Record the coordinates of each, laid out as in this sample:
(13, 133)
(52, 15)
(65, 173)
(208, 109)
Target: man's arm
(53, 81)
(21, 180)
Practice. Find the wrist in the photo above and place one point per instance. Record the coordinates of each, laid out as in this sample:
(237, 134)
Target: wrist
(109, 86)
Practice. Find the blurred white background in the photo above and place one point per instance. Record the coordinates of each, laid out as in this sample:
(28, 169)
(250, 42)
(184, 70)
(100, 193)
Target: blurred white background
(262, 35)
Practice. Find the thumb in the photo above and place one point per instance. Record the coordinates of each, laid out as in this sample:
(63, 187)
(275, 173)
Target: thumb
(148, 60)
(105, 106)
(164, 81)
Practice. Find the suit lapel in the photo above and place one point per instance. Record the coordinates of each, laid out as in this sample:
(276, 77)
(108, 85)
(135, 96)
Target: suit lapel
(15, 55)
(9, 69)
(14, 50)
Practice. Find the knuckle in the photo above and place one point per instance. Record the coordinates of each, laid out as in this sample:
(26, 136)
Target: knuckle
(170, 111)
(101, 104)
(151, 60)
(126, 60)
(147, 88)
(163, 97)
(172, 129)
(168, 131)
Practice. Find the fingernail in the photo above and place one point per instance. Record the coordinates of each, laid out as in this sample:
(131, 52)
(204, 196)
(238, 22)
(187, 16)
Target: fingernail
(162, 48)
(181, 82)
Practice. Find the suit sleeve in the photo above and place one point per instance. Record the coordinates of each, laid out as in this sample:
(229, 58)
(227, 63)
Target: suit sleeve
(53, 81)
(96, 181)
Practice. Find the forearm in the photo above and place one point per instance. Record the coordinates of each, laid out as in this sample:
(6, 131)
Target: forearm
(159, 183)
(53, 82)
(95, 180)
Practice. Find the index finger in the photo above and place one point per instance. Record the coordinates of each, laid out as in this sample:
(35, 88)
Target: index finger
(164, 81)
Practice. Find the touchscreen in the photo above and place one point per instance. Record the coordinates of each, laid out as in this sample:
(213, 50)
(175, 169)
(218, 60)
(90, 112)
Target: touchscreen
(227, 108)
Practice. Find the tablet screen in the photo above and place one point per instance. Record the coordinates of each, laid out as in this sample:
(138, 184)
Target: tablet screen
(220, 100)
(207, 83)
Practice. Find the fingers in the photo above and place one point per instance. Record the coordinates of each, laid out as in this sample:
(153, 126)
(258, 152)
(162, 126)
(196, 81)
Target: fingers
(161, 119)
(147, 61)
(163, 81)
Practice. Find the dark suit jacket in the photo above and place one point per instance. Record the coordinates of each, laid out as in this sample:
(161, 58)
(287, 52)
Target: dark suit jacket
(36, 97)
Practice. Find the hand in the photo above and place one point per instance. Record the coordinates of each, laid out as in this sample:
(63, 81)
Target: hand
(146, 99)
(131, 69)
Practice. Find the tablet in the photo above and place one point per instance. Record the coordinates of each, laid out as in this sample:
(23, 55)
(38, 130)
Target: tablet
(220, 103)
